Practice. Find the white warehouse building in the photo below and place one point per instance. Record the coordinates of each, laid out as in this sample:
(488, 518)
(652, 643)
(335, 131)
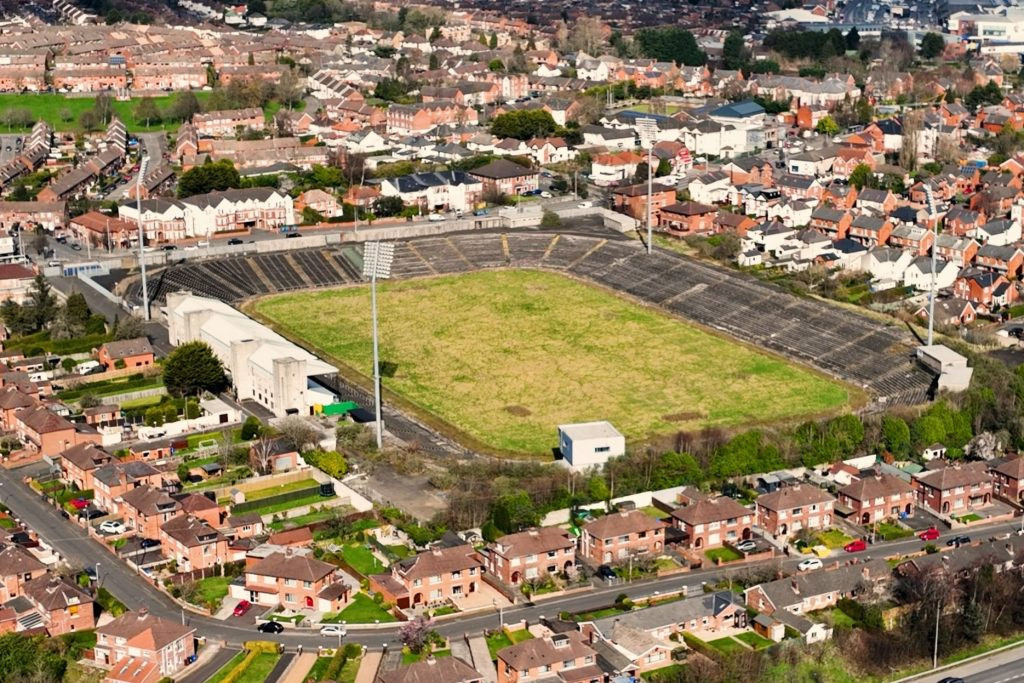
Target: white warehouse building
(264, 366)
(586, 444)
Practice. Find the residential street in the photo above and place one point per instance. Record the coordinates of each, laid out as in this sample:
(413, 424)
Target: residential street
(74, 545)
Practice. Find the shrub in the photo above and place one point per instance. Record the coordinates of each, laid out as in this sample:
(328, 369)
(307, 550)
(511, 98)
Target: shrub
(120, 364)
(334, 668)
(251, 428)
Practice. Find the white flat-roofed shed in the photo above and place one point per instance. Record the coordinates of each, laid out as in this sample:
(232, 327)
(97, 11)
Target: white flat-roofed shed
(586, 444)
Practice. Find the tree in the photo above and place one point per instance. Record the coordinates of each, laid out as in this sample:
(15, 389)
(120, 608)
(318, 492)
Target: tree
(664, 169)
(670, 43)
(211, 176)
(89, 121)
(77, 310)
(928, 430)
(587, 34)
(193, 368)
(862, 176)
(896, 436)
(390, 89)
(129, 327)
(853, 39)
(66, 114)
(492, 42)
(413, 633)
(289, 88)
(297, 432)
(523, 124)
(183, 106)
(496, 65)
(932, 45)
(515, 511)
(827, 126)
(550, 219)
(261, 455)
(435, 62)
(41, 302)
(251, 428)
(147, 111)
(734, 51)
(388, 206)
(311, 216)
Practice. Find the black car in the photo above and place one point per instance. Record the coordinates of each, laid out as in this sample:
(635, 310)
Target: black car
(958, 540)
(270, 627)
(76, 246)
(149, 543)
(605, 572)
(169, 247)
(234, 240)
(92, 514)
(951, 679)
(293, 234)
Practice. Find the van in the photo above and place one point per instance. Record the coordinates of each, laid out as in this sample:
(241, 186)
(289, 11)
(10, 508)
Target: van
(40, 376)
(86, 367)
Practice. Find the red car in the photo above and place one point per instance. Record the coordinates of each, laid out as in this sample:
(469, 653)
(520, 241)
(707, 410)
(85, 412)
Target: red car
(79, 503)
(929, 534)
(856, 546)
(242, 607)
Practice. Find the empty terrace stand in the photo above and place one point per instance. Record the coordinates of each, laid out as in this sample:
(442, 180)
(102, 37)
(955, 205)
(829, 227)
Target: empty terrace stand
(862, 351)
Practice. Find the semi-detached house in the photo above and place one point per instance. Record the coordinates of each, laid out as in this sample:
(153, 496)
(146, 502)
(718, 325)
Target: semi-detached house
(294, 579)
(531, 554)
(620, 535)
(792, 508)
(876, 498)
(434, 577)
(713, 522)
(138, 646)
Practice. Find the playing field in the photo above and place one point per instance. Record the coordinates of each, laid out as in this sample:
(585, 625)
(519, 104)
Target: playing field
(506, 356)
(50, 106)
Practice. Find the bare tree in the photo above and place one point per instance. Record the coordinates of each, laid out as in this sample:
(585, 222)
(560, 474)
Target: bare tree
(911, 130)
(261, 455)
(298, 432)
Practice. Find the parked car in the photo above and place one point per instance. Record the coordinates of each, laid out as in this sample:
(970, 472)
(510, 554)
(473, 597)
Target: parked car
(149, 543)
(332, 630)
(270, 627)
(929, 534)
(242, 607)
(93, 513)
(24, 540)
(435, 218)
(746, 546)
(76, 246)
(169, 247)
(585, 205)
(951, 679)
(856, 546)
(112, 526)
(234, 240)
(293, 234)
(79, 503)
(545, 194)
(605, 572)
(809, 564)
(958, 541)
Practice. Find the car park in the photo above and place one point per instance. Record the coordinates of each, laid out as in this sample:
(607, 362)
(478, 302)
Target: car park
(113, 527)
(810, 563)
(241, 608)
(929, 534)
(856, 546)
(270, 627)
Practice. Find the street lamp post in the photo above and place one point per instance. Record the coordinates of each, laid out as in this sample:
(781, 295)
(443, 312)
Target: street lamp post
(377, 258)
(648, 129)
(142, 240)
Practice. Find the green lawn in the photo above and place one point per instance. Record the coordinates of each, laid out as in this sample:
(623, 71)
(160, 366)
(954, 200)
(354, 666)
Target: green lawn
(7, 523)
(969, 518)
(672, 672)
(754, 640)
(832, 538)
(111, 387)
(598, 614)
(890, 531)
(361, 559)
(303, 520)
(519, 636)
(503, 356)
(840, 618)
(319, 669)
(724, 554)
(212, 589)
(311, 499)
(726, 646)
(349, 670)
(362, 610)
(260, 494)
(144, 402)
(497, 642)
(48, 106)
(259, 669)
(413, 657)
(226, 669)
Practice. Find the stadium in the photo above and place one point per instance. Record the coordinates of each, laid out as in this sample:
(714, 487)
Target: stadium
(817, 358)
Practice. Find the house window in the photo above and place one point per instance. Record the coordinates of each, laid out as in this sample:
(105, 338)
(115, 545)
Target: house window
(288, 597)
(307, 584)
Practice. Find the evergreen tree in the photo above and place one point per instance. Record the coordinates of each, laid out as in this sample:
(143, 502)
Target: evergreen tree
(193, 368)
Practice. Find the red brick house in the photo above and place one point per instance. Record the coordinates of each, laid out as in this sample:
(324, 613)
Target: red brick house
(431, 578)
(1008, 479)
(531, 554)
(619, 535)
(949, 489)
(959, 250)
(735, 223)
(791, 508)
(126, 353)
(293, 579)
(963, 222)
(139, 640)
(18, 567)
(193, 543)
(63, 606)
(147, 509)
(562, 656)
(79, 462)
(632, 199)
(686, 218)
(710, 523)
(506, 177)
(833, 222)
(1008, 260)
(48, 433)
(984, 287)
(874, 499)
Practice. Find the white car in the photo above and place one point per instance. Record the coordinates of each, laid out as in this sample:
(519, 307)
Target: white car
(585, 205)
(545, 194)
(332, 630)
(435, 217)
(809, 564)
(746, 546)
(113, 527)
